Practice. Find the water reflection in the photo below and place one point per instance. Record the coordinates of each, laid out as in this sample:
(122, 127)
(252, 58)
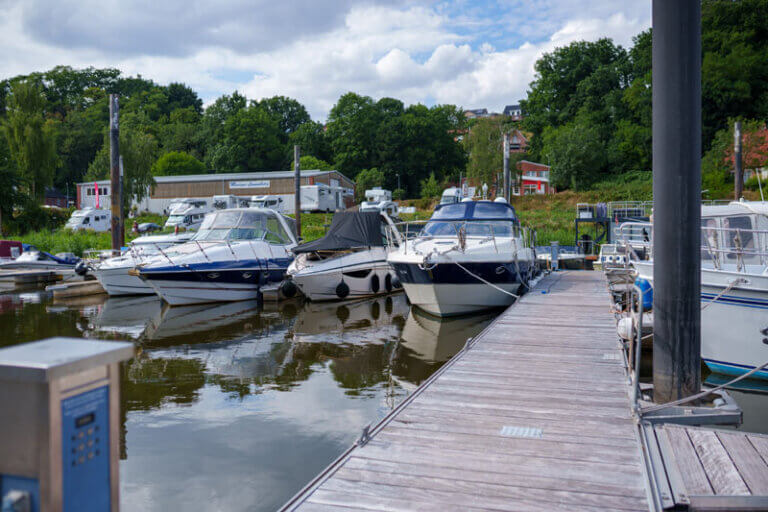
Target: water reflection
(238, 406)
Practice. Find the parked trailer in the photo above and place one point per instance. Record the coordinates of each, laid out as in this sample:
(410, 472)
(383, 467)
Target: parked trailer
(188, 214)
(322, 198)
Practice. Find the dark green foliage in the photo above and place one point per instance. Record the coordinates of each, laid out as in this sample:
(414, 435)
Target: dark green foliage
(366, 180)
(177, 163)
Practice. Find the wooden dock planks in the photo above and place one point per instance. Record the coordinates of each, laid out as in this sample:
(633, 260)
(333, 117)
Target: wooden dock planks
(534, 416)
(717, 469)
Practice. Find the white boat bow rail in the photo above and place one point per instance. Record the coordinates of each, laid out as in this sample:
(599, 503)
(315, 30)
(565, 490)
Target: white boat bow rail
(464, 231)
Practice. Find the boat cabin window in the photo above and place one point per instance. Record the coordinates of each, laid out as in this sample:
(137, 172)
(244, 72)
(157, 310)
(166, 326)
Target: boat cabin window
(242, 225)
(452, 211)
(493, 211)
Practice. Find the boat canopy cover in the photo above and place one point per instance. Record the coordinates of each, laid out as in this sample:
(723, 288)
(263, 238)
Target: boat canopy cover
(348, 230)
(65, 258)
(474, 210)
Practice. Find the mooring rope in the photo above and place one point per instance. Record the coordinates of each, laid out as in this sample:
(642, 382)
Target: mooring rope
(462, 267)
(733, 283)
(703, 393)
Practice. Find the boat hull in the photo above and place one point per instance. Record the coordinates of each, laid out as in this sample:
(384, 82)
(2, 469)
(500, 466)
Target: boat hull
(210, 283)
(732, 331)
(733, 324)
(117, 282)
(361, 280)
(449, 290)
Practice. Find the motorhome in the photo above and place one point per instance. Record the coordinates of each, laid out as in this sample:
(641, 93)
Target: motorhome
(230, 201)
(275, 203)
(451, 195)
(188, 214)
(321, 198)
(378, 199)
(90, 218)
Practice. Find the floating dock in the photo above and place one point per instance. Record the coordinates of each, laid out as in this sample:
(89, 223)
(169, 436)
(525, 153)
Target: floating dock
(534, 414)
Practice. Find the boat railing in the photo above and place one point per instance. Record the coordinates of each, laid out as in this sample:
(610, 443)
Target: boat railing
(720, 245)
(411, 230)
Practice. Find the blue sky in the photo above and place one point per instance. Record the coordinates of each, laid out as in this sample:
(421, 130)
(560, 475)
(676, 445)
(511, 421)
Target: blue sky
(470, 53)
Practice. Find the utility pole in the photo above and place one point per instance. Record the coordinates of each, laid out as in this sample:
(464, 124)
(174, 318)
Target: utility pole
(114, 167)
(676, 199)
(122, 209)
(297, 189)
(738, 173)
(506, 167)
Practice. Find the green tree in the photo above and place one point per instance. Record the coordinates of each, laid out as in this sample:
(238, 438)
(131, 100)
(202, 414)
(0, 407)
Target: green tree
(575, 153)
(176, 163)
(484, 145)
(366, 180)
(351, 132)
(139, 151)
(310, 137)
(289, 113)
(430, 188)
(31, 139)
(251, 142)
(308, 162)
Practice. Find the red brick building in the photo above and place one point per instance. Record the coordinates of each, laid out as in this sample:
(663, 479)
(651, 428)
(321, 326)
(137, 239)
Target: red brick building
(533, 179)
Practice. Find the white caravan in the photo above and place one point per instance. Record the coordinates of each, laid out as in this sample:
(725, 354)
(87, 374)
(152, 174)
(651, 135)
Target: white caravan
(379, 200)
(188, 214)
(230, 201)
(274, 203)
(321, 198)
(90, 218)
(451, 195)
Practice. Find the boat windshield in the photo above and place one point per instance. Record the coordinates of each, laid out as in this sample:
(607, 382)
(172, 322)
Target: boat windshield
(499, 228)
(242, 225)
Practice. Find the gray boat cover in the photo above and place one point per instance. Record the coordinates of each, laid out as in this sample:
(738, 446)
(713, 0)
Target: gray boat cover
(349, 230)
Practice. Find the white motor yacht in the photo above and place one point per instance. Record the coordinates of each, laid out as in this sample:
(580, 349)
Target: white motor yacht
(114, 273)
(734, 287)
(350, 261)
(470, 256)
(34, 259)
(231, 256)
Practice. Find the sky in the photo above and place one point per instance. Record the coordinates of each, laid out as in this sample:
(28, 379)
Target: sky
(473, 54)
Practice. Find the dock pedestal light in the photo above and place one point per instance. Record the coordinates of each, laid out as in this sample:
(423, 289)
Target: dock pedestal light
(59, 433)
(676, 198)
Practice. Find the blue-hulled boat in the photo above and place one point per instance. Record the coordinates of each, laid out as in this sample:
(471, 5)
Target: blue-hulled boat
(234, 252)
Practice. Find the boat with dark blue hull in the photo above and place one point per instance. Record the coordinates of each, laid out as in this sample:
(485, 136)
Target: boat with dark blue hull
(234, 253)
(470, 256)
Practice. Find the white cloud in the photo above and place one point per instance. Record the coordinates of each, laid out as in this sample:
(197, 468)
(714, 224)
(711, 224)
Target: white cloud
(455, 53)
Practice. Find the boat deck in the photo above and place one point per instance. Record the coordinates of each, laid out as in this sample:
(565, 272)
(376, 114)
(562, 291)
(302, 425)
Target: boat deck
(533, 415)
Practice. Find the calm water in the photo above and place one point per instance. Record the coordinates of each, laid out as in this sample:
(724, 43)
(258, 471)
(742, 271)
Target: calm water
(229, 407)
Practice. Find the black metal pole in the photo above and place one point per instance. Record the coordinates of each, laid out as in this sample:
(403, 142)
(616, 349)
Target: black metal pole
(676, 198)
(114, 166)
(297, 189)
(738, 173)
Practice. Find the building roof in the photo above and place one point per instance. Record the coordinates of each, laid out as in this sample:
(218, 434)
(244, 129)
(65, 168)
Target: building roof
(230, 176)
(509, 108)
(477, 111)
(543, 166)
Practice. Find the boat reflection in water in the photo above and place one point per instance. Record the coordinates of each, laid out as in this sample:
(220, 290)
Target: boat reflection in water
(236, 405)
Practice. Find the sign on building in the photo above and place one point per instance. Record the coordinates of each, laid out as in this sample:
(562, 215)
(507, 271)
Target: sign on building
(249, 184)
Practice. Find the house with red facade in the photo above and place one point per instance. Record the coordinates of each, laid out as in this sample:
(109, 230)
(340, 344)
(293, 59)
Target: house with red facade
(754, 154)
(518, 141)
(533, 178)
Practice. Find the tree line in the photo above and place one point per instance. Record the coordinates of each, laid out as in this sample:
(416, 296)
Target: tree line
(587, 114)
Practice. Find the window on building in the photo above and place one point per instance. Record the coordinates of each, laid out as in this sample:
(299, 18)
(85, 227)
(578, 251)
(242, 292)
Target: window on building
(529, 188)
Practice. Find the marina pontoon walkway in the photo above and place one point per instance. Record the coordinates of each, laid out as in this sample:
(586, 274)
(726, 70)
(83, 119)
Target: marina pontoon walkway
(534, 415)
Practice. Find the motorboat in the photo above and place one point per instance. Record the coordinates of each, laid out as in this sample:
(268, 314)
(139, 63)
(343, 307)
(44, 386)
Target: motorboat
(567, 257)
(234, 252)
(114, 273)
(470, 256)
(611, 256)
(734, 287)
(350, 261)
(33, 258)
